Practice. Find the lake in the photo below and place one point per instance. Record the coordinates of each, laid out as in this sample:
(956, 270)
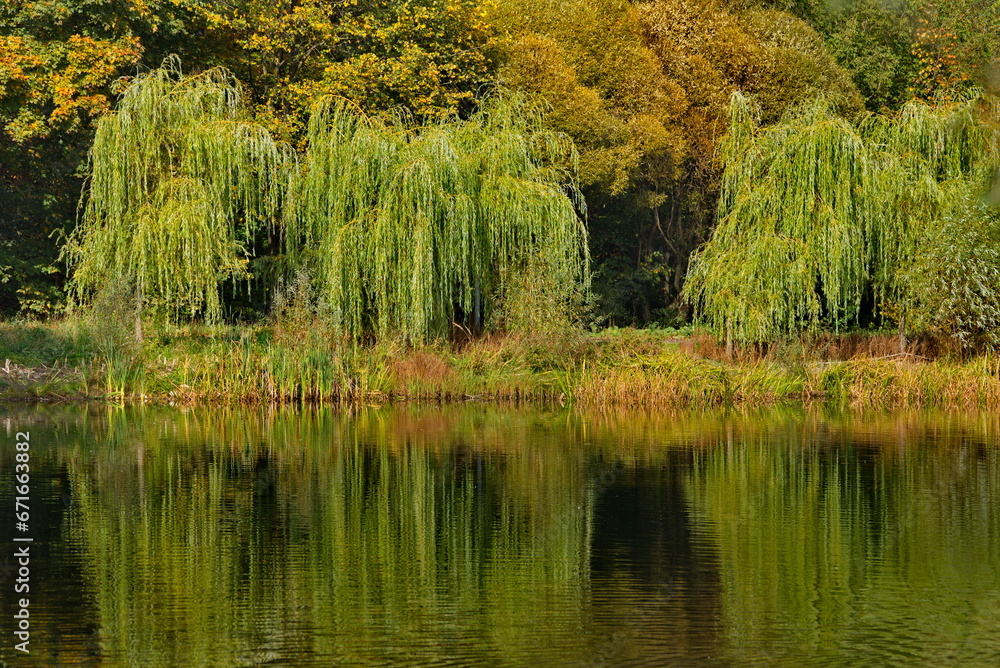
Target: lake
(470, 535)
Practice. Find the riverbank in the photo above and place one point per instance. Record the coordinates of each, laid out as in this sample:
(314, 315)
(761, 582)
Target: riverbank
(74, 360)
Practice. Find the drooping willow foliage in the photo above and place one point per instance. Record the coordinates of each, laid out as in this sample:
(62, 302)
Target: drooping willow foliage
(180, 181)
(816, 213)
(404, 228)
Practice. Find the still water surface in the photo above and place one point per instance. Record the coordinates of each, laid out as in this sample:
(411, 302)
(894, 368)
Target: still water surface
(505, 537)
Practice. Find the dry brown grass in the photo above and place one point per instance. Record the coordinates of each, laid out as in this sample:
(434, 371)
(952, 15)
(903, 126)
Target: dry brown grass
(909, 381)
(826, 346)
(420, 367)
(861, 344)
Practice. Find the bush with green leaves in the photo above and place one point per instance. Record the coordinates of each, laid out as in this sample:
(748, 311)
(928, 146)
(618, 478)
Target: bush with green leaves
(954, 281)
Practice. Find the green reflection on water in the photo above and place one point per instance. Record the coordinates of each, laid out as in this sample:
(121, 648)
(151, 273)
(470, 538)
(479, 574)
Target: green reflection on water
(458, 536)
(864, 542)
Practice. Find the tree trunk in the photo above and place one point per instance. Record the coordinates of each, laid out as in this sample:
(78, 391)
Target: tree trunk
(902, 334)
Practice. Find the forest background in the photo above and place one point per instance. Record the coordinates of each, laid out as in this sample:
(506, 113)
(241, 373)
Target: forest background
(644, 90)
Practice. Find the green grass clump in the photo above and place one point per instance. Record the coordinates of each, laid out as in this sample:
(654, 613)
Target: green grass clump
(42, 345)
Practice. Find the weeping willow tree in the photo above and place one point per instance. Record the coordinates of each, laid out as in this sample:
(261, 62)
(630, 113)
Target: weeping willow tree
(817, 213)
(405, 228)
(180, 182)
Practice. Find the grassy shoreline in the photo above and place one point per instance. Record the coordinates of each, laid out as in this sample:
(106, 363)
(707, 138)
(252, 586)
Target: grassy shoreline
(71, 360)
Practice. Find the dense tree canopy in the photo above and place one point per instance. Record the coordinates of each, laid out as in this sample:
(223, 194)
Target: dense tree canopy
(180, 180)
(60, 59)
(426, 55)
(817, 213)
(53, 83)
(401, 227)
(641, 87)
(405, 226)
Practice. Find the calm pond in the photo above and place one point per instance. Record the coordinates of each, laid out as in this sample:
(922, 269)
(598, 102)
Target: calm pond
(472, 535)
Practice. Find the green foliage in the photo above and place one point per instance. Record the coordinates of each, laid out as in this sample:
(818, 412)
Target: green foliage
(58, 61)
(36, 345)
(403, 227)
(954, 281)
(180, 182)
(954, 42)
(898, 49)
(875, 45)
(817, 213)
(643, 89)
